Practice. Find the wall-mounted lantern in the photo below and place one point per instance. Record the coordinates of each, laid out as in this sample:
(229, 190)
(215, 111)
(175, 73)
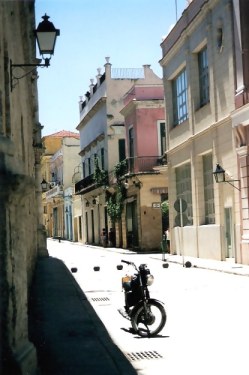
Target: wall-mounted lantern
(46, 35)
(44, 185)
(220, 176)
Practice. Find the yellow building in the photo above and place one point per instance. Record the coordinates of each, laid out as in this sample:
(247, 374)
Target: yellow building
(59, 161)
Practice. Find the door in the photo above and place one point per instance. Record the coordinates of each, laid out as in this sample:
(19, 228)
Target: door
(93, 229)
(229, 235)
(55, 221)
(131, 224)
(86, 228)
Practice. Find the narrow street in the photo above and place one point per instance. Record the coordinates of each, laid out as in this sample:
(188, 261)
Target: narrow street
(207, 325)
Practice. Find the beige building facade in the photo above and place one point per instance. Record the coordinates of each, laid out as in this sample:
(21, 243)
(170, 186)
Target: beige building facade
(102, 140)
(119, 212)
(198, 74)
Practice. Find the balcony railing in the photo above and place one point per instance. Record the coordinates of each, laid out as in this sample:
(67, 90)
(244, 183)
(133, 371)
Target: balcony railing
(138, 164)
(89, 183)
(130, 165)
(56, 191)
(83, 184)
(144, 163)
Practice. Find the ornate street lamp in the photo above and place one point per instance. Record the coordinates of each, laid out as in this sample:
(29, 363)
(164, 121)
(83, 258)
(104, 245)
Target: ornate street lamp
(46, 35)
(220, 176)
(44, 185)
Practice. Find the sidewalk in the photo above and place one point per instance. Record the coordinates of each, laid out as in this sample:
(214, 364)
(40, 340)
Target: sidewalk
(69, 337)
(227, 266)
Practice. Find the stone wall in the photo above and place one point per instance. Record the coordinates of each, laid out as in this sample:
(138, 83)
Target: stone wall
(21, 234)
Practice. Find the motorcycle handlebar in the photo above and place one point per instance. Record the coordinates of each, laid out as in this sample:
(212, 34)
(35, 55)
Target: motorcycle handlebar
(127, 262)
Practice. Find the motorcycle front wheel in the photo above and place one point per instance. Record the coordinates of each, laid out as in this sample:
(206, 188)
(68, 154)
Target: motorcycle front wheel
(149, 321)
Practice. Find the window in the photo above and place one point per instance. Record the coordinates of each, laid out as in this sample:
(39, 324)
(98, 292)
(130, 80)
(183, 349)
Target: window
(84, 169)
(208, 189)
(102, 158)
(121, 149)
(203, 76)
(180, 97)
(162, 138)
(89, 166)
(184, 189)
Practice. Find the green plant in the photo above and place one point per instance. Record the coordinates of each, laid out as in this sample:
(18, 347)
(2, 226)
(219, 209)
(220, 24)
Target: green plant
(120, 169)
(165, 208)
(100, 176)
(115, 203)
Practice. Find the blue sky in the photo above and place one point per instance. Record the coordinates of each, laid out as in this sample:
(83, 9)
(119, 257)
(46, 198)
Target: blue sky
(128, 31)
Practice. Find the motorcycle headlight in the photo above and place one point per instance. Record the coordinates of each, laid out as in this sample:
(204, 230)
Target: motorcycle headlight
(126, 283)
(150, 279)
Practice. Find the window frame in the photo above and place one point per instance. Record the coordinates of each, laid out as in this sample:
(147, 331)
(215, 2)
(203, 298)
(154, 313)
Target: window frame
(208, 189)
(180, 97)
(203, 68)
(184, 188)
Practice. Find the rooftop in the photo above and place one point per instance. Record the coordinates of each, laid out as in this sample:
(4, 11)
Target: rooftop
(64, 133)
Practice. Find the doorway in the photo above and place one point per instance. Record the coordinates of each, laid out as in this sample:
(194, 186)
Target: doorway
(131, 224)
(55, 217)
(229, 234)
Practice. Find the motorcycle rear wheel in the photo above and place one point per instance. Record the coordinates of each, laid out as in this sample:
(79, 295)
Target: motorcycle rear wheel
(150, 324)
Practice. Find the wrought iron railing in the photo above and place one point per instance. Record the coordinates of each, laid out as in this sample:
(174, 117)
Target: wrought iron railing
(144, 163)
(83, 184)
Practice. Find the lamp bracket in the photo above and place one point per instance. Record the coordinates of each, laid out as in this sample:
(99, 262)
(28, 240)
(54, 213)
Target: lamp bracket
(230, 183)
(23, 66)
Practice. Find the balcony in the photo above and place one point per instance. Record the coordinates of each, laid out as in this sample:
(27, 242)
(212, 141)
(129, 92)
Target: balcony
(56, 191)
(90, 182)
(84, 185)
(136, 165)
(144, 163)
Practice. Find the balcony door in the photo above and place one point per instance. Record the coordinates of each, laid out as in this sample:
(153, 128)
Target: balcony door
(131, 149)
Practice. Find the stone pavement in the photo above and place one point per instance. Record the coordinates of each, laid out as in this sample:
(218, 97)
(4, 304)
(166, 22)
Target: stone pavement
(69, 337)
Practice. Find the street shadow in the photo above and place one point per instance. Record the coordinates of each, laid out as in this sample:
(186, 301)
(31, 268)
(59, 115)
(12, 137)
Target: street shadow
(133, 332)
(69, 337)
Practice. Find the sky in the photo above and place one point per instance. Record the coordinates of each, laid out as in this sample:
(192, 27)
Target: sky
(128, 31)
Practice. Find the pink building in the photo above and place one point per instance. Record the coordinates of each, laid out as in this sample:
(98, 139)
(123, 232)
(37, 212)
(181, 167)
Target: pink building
(146, 184)
(144, 114)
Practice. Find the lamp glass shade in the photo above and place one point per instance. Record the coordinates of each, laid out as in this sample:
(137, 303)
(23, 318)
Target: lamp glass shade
(219, 174)
(46, 35)
(44, 184)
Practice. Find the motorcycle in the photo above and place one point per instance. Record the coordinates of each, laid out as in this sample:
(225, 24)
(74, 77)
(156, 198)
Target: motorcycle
(147, 315)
